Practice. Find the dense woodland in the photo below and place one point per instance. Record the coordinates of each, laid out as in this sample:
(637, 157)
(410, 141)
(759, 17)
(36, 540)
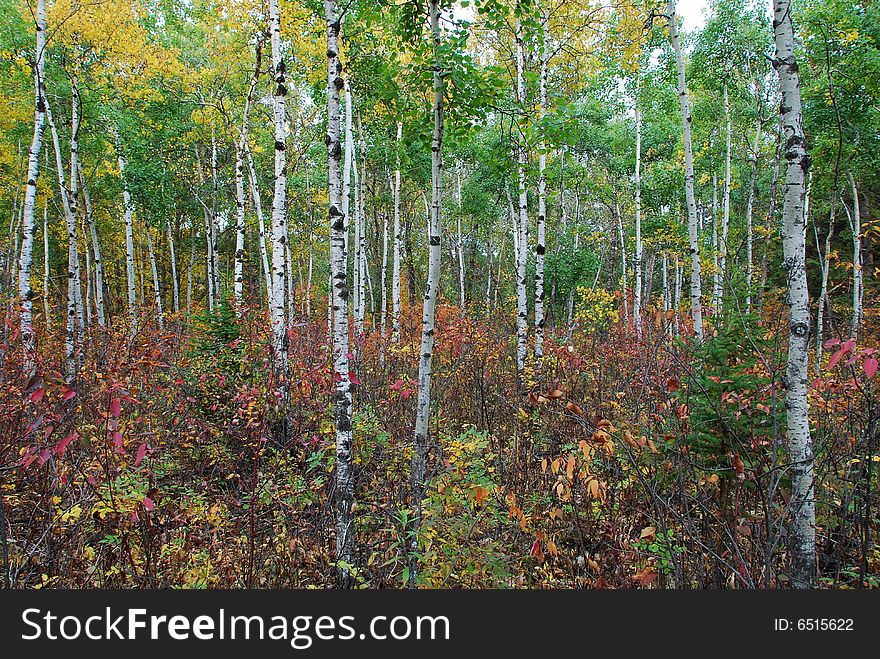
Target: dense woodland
(499, 293)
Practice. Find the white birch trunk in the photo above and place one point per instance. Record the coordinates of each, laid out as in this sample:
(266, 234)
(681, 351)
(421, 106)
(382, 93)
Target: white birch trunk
(261, 224)
(26, 293)
(541, 246)
(175, 284)
(96, 251)
(72, 341)
(856, 226)
(426, 351)
(639, 256)
(279, 202)
(522, 327)
(129, 242)
(157, 292)
(750, 207)
(46, 267)
(725, 218)
(215, 221)
(802, 504)
(693, 236)
(345, 538)
(395, 260)
(622, 238)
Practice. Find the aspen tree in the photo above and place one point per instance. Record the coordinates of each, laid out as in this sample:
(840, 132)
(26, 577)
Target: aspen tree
(797, 163)
(522, 327)
(395, 260)
(96, 251)
(693, 236)
(540, 246)
(26, 293)
(279, 200)
(345, 539)
(426, 351)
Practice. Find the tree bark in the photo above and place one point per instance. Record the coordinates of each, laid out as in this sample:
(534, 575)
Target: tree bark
(856, 227)
(693, 236)
(279, 201)
(540, 246)
(345, 538)
(426, 352)
(100, 306)
(26, 293)
(797, 162)
(522, 320)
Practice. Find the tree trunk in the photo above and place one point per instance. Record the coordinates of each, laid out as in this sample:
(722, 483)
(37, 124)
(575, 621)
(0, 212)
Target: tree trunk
(540, 247)
(693, 236)
(345, 539)
(129, 242)
(25, 292)
(750, 207)
(175, 284)
(73, 338)
(96, 251)
(725, 218)
(157, 292)
(622, 238)
(522, 320)
(261, 225)
(395, 260)
(46, 266)
(639, 256)
(856, 226)
(279, 201)
(423, 403)
(771, 212)
(802, 503)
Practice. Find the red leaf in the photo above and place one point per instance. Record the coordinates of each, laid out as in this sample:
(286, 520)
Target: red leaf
(353, 378)
(141, 452)
(837, 356)
(115, 407)
(672, 385)
(37, 395)
(397, 386)
(117, 442)
(62, 445)
(830, 343)
(536, 551)
(870, 366)
(70, 393)
(148, 503)
(44, 455)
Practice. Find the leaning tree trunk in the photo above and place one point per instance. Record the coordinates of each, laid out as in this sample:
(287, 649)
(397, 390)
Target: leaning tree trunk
(426, 353)
(26, 294)
(693, 235)
(279, 202)
(261, 225)
(345, 539)
(522, 320)
(797, 162)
